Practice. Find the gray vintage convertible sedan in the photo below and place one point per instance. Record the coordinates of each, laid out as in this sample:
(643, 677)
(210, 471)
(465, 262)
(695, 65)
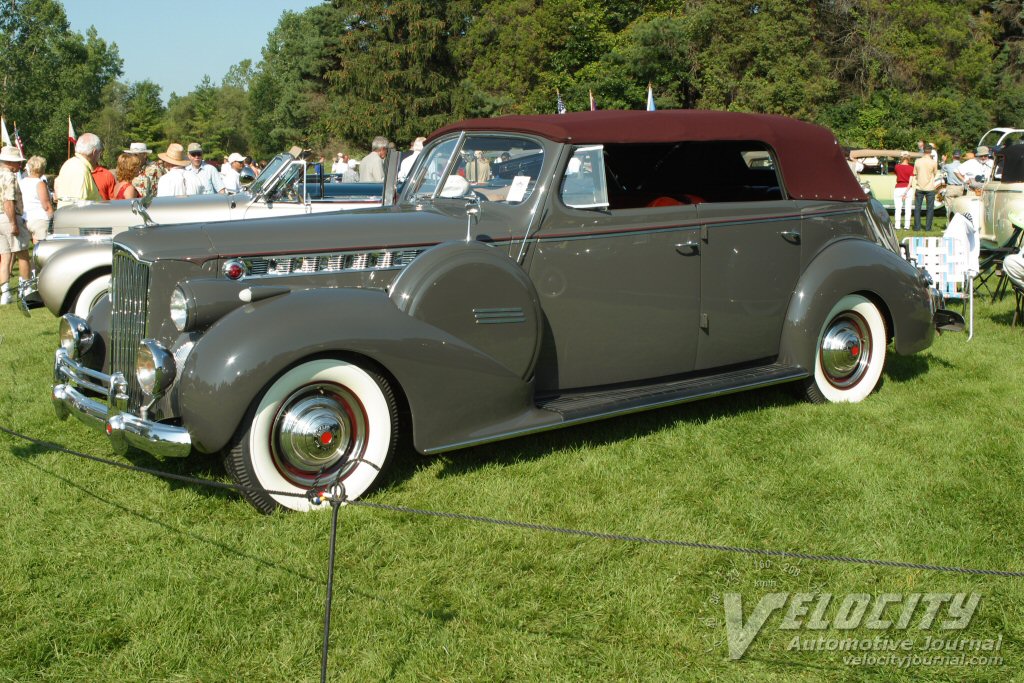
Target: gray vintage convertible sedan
(535, 272)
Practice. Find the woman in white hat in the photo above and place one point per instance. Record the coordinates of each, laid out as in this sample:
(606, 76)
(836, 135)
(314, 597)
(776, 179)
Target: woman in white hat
(14, 235)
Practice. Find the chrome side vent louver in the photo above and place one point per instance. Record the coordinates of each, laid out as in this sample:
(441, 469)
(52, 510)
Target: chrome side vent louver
(275, 266)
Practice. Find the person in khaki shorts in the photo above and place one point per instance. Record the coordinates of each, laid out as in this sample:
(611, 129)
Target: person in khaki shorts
(14, 235)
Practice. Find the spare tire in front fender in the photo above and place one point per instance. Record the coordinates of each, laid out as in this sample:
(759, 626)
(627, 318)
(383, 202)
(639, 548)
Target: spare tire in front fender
(477, 293)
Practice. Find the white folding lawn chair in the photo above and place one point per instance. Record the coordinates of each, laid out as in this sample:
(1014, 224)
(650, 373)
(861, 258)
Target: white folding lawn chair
(948, 261)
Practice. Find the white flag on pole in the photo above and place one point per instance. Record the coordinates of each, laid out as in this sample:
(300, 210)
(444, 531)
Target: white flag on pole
(3, 133)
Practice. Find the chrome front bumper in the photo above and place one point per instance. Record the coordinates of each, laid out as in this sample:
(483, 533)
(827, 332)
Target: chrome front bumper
(107, 414)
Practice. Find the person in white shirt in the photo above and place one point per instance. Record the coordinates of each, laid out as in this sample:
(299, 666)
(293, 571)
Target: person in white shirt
(230, 173)
(176, 183)
(340, 164)
(209, 177)
(36, 197)
(971, 167)
(963, 226)
(406, 165)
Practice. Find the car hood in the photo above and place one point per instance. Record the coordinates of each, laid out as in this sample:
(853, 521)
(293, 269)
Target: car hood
(163, 210)
(391, 227)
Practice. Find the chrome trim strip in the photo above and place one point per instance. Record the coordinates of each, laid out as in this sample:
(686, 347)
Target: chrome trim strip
(616, 413)
(258, 267)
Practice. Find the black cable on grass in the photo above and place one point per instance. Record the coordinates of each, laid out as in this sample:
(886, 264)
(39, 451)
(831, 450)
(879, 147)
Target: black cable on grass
(323, 496)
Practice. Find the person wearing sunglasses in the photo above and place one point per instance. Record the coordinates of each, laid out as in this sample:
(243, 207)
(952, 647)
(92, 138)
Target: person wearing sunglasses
(210, 181)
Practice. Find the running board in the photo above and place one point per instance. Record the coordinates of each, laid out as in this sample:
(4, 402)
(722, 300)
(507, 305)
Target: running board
(591, 405)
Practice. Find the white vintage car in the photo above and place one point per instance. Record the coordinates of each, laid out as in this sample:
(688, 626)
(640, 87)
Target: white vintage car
(74, 263)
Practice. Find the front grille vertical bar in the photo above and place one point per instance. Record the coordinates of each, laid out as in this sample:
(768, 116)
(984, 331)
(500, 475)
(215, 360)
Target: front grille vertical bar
(129, 297)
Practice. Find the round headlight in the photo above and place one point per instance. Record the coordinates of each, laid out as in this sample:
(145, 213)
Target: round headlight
(181, 310)
(74, 335)
(154, 368)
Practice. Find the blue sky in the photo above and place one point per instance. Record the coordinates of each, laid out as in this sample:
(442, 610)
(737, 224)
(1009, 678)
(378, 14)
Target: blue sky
(174, 43)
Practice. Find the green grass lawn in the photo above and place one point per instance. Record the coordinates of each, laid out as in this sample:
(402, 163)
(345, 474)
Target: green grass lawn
(113, 576)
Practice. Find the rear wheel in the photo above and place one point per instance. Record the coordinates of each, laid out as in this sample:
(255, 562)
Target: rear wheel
(850, 353)
(321, 421)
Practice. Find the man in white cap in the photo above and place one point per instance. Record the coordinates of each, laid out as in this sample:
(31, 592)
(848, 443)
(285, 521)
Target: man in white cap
(175, 182)
(145, 182)
(209, 179)
(75, 183)
(231, 173)
(14, 235)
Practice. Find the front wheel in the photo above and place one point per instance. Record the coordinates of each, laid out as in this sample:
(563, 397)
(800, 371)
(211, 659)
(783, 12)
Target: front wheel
(322, 421)
(90, 295)
(850, 353)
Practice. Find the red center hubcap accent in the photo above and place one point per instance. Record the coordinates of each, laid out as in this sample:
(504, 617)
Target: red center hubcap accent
(326, 438)
(855, 351)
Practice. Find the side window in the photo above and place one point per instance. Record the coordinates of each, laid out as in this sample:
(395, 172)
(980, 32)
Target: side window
(584, 185)
(662, 175)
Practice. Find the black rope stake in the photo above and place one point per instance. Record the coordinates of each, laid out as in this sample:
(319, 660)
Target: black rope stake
(337, 494)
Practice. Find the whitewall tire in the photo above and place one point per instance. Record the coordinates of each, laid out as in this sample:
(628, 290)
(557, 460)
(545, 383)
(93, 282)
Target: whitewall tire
(849, 354)
(90, 295)
(318, 420)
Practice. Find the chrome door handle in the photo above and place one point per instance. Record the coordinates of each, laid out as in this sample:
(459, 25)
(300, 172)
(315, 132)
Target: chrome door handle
(791, 236)
(688, 248)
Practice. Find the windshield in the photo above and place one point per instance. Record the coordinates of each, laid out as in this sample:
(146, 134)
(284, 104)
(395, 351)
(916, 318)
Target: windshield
(497, 168)
(260, 184)
(286, 188)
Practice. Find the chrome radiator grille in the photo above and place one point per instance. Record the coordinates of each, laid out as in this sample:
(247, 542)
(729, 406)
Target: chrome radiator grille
(129, 294)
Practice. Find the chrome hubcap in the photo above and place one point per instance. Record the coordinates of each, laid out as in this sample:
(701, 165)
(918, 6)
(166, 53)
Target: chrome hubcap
(318, 432)
(845, 350)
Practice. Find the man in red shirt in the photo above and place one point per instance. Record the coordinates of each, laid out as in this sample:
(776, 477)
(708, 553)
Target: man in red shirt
(104, 180)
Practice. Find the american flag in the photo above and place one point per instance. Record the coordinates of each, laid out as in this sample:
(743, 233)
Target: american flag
(17, 139)
(561, 103)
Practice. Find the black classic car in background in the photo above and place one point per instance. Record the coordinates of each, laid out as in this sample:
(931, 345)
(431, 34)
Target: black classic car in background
(535, 272)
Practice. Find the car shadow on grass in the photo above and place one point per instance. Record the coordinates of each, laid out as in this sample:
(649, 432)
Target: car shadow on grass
(905, 368)
(609, 431)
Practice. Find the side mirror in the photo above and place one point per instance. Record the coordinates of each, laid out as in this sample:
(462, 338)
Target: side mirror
(246, 177)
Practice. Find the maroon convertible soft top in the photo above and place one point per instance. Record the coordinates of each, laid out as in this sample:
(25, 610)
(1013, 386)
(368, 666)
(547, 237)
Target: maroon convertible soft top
(811, 161)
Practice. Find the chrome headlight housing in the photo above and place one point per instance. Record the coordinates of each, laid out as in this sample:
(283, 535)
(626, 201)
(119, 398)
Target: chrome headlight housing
(154, 368)
(183, 309)
(74, 335)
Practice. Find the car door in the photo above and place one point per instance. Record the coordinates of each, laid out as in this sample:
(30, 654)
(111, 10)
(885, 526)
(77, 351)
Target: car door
(619, 287)
(749, 267)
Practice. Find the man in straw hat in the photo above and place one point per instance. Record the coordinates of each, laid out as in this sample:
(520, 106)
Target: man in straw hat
(75, 183)
(175, 182)
(145, 182)
(15, 238)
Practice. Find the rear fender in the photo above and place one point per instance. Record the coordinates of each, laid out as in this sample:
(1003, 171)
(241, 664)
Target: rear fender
(451, 388)
(852, 266)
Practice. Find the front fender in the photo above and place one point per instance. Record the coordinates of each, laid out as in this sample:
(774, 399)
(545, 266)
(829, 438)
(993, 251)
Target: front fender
(65, 269)
(850, 266)
(452, 389)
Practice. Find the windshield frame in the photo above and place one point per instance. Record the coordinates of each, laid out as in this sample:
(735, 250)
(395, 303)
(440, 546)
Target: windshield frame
(268, 177)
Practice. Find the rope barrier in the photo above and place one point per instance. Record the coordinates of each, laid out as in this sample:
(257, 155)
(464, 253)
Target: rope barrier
(335, 495)
(324, 496)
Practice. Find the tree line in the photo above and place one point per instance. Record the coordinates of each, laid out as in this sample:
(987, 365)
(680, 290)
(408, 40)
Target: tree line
(880, 74)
